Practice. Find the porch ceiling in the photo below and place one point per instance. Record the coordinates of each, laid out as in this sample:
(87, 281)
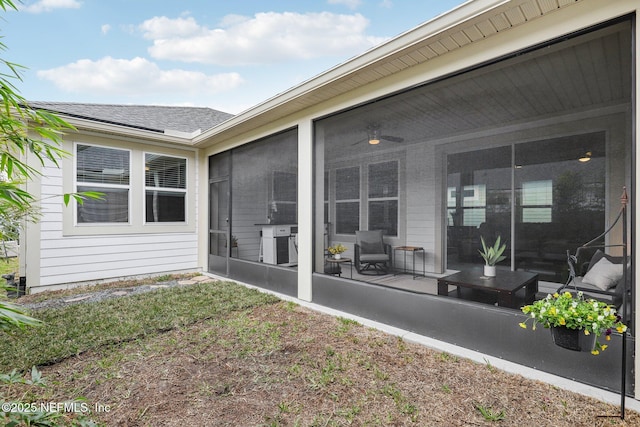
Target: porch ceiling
(560, 79)
(466, 24)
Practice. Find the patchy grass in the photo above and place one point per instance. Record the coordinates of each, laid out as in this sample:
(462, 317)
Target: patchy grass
(220, 354)
(74, 329)
(8, 265)
(125, 283)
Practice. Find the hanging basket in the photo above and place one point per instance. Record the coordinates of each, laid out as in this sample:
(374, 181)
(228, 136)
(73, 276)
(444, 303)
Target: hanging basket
(573, 339)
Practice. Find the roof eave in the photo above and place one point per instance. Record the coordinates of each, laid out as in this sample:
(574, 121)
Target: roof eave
(89, 125)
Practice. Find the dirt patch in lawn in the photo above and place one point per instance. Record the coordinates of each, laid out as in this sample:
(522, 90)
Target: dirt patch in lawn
(284, 365)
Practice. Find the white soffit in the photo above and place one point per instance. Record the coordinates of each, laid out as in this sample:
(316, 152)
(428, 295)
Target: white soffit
(470, 22)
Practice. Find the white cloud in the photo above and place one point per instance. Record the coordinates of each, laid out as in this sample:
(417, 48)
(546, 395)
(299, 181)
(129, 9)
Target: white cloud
(161, 27)
(135, 77)
(49, 5)
(265, 38)
(351, 4)
(105, 28)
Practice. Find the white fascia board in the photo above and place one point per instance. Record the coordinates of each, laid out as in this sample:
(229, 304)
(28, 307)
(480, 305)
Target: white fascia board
(169, 137)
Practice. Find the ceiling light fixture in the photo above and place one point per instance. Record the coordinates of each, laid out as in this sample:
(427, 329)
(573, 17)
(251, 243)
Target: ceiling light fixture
(585, 158)
(374, 136)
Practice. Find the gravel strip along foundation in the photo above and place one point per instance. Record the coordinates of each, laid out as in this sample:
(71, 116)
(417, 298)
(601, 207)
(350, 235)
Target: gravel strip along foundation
(113, 293)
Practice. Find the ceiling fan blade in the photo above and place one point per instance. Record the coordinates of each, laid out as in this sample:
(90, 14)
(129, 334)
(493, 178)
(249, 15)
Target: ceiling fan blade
(359, 141)
(392, 138)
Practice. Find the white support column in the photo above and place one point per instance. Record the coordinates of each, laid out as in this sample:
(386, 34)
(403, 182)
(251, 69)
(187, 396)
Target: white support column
(635, 196)
(305, 209)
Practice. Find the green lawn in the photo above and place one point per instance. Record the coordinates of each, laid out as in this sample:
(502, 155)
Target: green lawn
(81, 327)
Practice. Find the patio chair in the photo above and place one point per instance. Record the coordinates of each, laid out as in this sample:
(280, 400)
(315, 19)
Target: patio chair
(372, 255)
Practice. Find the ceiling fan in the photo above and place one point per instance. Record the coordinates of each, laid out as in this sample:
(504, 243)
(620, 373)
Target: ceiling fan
(374, 137)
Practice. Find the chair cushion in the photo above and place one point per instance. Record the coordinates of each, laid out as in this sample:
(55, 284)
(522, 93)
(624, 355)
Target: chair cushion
(374, 257)
(370, 241)
(603, 274)
(578, 281)
(598, 255)
(371, 248)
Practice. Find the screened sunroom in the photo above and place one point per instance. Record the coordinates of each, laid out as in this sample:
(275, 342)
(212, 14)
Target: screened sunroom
(534, 148)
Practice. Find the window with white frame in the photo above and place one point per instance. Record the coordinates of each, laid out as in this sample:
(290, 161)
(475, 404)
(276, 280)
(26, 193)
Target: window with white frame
(326, 197)
(383, 197)
(473, 209)
(105, 170)
(347, 184)
(165, 188)
(284, 200)
(537, 201)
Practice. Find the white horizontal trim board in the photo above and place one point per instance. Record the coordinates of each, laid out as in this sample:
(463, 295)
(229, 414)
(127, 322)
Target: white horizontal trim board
(52, 190)
(54, 249)
(52, 179)
(122, 267)
(51, 226)
(106, 240)
(81, 260)
(52, 211)
(71, 278)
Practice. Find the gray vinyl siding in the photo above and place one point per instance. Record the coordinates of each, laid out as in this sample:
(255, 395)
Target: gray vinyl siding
(73, 259)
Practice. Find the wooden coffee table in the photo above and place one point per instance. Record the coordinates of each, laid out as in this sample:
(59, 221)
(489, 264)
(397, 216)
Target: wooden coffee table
(505, 284)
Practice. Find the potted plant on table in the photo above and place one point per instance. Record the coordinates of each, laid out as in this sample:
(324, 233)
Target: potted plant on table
(576, 322)
(492, 255)
(336, 250)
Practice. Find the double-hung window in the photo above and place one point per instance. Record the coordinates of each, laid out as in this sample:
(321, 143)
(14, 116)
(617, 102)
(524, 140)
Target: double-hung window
(105, 170)
(537, 201)
(165, 188)
(284, 209)
(347, 200)
(468, 208)
(383, 197)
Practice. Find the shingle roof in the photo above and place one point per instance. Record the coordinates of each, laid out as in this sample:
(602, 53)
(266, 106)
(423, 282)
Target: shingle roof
(148, 117)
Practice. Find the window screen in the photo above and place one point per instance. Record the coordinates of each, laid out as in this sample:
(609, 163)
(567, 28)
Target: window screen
(264, 185)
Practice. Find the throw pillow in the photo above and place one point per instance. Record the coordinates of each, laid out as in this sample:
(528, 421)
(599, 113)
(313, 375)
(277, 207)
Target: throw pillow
(604, 274)
(598, 255)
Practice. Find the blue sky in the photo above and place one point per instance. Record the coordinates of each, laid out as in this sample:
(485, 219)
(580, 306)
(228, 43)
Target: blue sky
(227, 55)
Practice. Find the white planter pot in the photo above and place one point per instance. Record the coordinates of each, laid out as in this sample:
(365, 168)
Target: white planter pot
(490, 270)
(337, 256)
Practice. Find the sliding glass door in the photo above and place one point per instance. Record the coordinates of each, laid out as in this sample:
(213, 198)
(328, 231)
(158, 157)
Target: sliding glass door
(541, 197)
(478, 203)
(560, 200)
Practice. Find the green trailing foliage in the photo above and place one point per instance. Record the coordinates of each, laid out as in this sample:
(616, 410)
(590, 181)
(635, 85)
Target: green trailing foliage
(25, 131)
(37, 135)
